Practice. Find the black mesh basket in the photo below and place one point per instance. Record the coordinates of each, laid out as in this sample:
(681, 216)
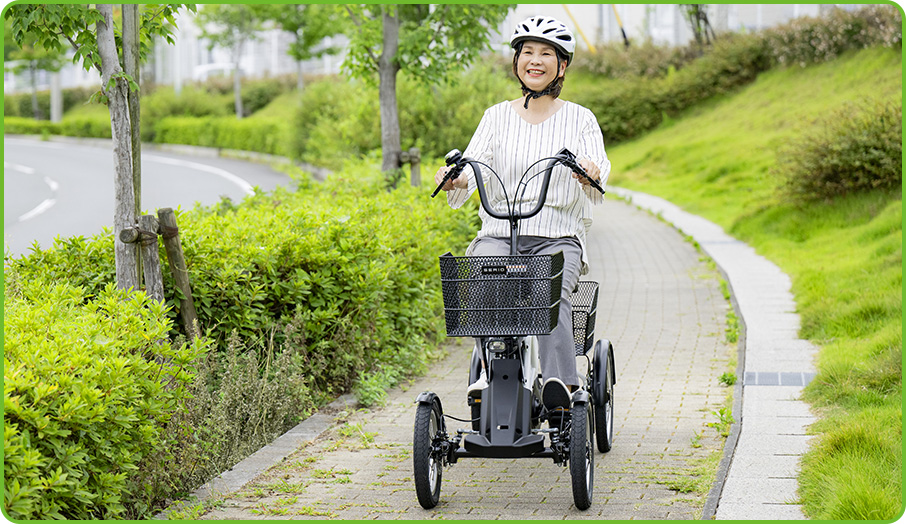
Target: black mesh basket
(502, 295)
(585, 306)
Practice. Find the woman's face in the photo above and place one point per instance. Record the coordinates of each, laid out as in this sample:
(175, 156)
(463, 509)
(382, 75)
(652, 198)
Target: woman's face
(537, 65)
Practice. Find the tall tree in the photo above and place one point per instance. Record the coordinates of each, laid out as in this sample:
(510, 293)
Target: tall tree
(30, 59)
(425, 41)
(231, 26)
(309, 24)
(91, 34)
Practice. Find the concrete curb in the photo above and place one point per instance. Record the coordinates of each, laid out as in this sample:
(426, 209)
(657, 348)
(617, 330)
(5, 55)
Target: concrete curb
(757, 476)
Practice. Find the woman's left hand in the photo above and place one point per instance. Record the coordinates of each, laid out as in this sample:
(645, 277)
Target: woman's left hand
(593, 172)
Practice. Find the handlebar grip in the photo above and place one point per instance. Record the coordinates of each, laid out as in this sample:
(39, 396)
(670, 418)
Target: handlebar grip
(452, 174)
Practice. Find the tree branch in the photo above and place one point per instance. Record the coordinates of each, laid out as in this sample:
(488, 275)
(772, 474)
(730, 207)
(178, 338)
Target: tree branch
(358, 23)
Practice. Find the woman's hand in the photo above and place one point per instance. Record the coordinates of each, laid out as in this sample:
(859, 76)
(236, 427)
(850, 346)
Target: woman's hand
(459, 183)
(590, 168)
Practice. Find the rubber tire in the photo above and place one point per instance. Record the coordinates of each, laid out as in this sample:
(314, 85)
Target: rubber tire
(581, 456)
(604, 415)
(428, 472)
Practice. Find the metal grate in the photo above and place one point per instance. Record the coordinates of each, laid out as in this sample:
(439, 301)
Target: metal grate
(585, 306)
(502, 295)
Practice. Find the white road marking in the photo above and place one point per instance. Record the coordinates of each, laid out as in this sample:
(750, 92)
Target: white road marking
(20, 168)
(47, 203)
(42, 207)
(238, 181)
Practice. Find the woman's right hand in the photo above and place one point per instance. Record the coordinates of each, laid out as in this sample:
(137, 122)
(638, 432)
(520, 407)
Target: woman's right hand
(459, 182)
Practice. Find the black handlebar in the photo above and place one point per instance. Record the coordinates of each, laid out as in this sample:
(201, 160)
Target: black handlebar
(455, 159)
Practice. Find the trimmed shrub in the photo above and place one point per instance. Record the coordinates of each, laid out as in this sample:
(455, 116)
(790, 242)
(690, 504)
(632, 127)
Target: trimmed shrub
(87, 126)
(305, 294)
(89, 385)
(14, 125)
(191, 102)
(856, 148)
(264, 135)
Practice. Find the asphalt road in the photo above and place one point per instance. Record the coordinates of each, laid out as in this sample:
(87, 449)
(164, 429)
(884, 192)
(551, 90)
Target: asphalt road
(53, 188)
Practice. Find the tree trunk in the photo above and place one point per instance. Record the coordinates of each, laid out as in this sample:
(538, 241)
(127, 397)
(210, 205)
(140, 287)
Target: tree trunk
(33, 75)
(117, 95)
(237, 80)
(131, 65)
(131, 39)
(387, 71)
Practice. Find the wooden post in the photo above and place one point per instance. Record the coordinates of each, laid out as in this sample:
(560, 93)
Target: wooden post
(154, 281)
(415, 159)
(169, 232)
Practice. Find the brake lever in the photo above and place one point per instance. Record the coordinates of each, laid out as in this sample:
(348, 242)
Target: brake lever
(568, 159)
(451, 159)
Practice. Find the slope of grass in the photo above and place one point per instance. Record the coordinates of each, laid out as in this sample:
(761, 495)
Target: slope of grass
(844, 257)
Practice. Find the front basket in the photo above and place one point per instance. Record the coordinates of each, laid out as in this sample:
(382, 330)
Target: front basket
(501, 295)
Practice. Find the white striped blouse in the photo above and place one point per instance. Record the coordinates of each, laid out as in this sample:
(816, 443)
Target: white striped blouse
(510, 145)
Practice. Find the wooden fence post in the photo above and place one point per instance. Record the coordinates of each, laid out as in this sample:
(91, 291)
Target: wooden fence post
(154, 281)
(169, 232)
(415, 159)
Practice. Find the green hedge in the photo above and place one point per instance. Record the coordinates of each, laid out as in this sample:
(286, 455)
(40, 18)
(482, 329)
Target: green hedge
(638, 104)
(301, 294)
(258, 134)
(20, 104)
(89, 385)
(15, 125)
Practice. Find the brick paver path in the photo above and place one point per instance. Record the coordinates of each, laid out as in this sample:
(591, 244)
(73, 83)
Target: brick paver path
(661, 306)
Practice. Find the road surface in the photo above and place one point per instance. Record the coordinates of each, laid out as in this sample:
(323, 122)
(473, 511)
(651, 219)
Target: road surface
(55, 188)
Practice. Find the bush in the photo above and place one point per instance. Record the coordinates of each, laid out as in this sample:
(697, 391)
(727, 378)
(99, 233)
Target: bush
(89, 384)
(638, 104)
(304, 294)
(190, 102)
(87, 126)
(856, 148)
(338, 118)
(264, 135)
(20, 104)
(14, 125)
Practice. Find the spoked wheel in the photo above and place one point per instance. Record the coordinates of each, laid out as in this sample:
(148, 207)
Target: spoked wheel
(581, 456)
(604, 416)
(428, 467)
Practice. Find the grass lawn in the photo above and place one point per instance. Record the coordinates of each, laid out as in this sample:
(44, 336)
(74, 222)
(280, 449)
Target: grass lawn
(844, 257)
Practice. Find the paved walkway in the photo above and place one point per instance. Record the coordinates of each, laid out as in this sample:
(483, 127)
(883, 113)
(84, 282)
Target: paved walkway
(776, 365)
(662, 308)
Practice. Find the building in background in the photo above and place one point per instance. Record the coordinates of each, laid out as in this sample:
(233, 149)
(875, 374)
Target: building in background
(190, 60)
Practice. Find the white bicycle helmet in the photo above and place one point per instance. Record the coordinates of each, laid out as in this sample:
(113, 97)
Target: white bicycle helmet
(546, 29)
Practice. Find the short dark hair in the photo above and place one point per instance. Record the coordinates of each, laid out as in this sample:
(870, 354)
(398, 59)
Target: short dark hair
(561, 58)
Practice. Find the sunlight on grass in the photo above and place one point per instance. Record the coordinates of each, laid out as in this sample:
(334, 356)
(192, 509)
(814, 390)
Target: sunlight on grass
(844, 258)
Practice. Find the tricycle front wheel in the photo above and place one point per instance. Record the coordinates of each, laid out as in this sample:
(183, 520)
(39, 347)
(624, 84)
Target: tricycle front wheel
(428, 472)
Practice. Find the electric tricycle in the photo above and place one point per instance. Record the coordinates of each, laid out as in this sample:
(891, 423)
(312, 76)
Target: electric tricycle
(505, 302)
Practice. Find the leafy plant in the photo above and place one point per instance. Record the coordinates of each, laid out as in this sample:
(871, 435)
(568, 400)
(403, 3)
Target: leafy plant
(856, 148)
(90, 383)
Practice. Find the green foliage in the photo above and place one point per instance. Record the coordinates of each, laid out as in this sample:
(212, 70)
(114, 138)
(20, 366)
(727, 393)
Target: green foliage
(89, 384)
(43, 25)
(15, 125)
(432, 39)
(338, 118)
(163, 102)
(636, 105)
(260, 134)
(309, 24)
(304, 294)
(844, 257)
(855, 148)
(20, 104)
(87, 126)
(641, 59)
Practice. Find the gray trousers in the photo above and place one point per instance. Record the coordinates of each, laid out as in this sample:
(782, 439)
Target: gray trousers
(557, 350)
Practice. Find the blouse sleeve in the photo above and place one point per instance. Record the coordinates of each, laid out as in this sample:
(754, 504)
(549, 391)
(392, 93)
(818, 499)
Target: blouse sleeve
(592, 148)
(480, 148)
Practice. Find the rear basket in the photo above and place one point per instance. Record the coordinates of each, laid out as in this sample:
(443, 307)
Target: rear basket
(502, 295)
(585, 306)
